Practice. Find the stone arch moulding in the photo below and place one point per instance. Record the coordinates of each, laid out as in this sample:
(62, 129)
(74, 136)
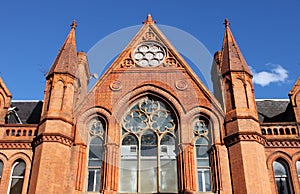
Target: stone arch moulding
(130, 97)
(296, 156)
(86, 117)
(3, 157)
(217, 133)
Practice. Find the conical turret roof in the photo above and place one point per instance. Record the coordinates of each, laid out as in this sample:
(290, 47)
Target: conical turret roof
(66, 60)
(232, 58)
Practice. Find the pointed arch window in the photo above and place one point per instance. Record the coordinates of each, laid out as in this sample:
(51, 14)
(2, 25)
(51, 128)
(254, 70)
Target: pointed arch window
(202, 145)
(1, 169)
(148, 153)
(17, 177)
(95, 157)
(282, 178)
(298, 169)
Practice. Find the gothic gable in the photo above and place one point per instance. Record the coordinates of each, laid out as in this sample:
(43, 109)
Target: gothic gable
(150, 59)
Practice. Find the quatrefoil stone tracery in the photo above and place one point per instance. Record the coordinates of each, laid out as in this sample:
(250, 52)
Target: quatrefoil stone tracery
(148, 114)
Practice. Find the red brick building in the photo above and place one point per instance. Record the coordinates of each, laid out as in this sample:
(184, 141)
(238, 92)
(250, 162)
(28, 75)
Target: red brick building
(149, 125)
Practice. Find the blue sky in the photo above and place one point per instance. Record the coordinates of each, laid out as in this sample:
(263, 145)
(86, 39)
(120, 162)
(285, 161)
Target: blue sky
(32, 33)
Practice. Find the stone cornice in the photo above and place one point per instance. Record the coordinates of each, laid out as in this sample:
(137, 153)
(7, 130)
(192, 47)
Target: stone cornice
(244, 136)
(289, 143)
(52, 137)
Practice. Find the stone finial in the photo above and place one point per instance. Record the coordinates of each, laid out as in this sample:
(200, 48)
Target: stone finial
(74, 24)
(227, 24)
(149, 20)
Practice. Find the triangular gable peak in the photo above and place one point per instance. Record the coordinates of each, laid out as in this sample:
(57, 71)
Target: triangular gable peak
(149, 48)
(151, 53)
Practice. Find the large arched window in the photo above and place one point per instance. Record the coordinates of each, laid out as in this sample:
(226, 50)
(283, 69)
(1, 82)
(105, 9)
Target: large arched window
(148, 153)
(17, 177)
(202, 145)
(282, 178)
(298, 169)
(95, 158)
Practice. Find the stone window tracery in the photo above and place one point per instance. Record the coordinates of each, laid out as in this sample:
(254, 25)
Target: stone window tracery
(148, 152)
(96, 129)
(202, 145)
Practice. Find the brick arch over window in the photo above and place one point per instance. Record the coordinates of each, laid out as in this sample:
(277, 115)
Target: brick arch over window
(20, 156)
(284, 159)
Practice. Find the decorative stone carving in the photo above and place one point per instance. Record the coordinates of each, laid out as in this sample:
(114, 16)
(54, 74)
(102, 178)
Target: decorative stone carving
(52, 138)
(181, 85)
(244, 136)
(96, 128)
(14, 145)
(283, 143)
(127, 63)
(200, 128)
(115, 86)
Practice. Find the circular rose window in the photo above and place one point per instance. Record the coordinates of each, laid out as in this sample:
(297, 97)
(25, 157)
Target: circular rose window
(149, 54)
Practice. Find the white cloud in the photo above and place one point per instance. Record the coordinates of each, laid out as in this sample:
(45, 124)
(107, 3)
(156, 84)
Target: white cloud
(277, 74)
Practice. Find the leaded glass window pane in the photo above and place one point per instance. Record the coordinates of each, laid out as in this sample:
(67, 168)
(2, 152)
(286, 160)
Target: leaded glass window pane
(149, 144)
(95, 164)
(148, 177)
(94, 179)
(129, 164)
(168, 165)
(204, 182)
(128, 175)
(202, 158)
(281, 178)
(17, 177)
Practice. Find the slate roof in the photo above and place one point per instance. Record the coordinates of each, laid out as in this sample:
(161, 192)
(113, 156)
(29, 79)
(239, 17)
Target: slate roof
(29, 112)
(275, 111)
